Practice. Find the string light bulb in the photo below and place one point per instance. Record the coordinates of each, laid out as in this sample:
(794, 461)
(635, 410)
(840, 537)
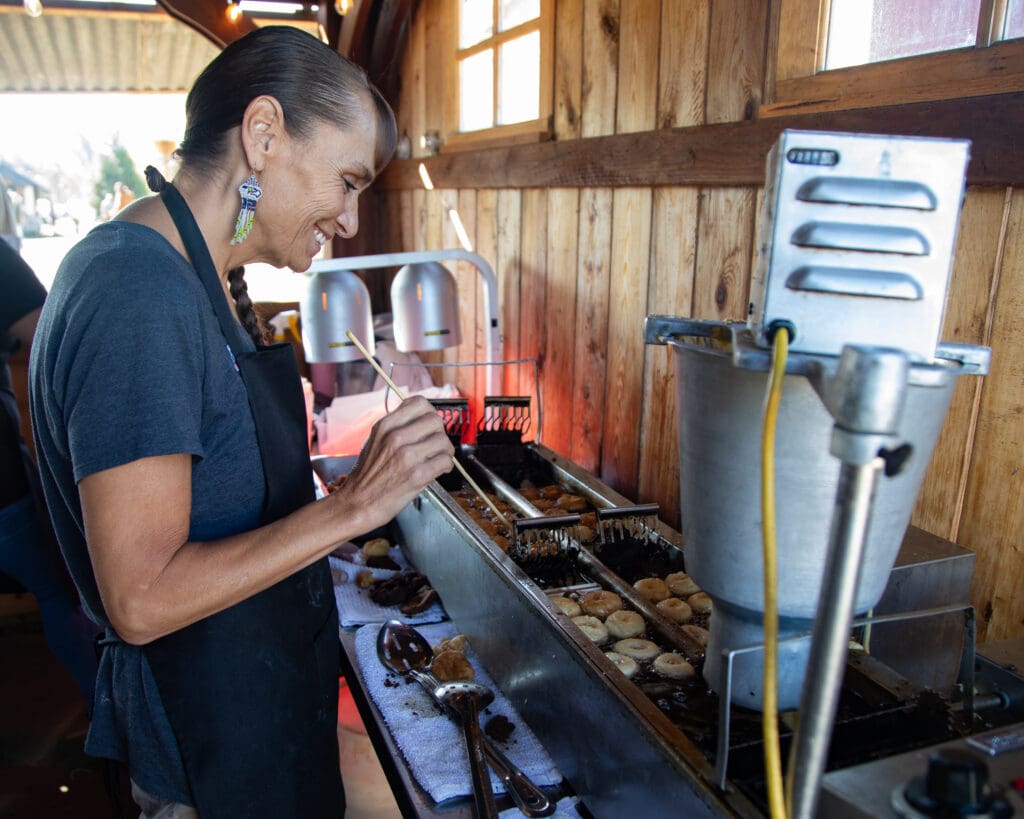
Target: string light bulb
(234, 10)
(343, 7)
(33, 8)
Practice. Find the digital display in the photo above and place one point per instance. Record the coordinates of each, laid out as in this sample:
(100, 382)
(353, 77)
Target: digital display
(812, 156)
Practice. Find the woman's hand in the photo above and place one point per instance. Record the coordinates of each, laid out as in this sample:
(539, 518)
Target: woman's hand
(406, 450)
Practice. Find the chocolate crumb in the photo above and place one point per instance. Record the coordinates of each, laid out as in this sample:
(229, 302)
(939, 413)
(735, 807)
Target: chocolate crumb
(499, 728)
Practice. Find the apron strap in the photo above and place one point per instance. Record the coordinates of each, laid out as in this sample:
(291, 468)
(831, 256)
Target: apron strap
(196, 247)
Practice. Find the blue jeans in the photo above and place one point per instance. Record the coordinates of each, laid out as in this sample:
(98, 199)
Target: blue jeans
(26, 556)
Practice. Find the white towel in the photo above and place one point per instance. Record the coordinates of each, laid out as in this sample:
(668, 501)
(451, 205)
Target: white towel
(355, 607)
(432, 744)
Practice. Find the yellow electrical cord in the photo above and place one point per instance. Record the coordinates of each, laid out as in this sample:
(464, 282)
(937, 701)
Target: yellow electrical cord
(770, 722)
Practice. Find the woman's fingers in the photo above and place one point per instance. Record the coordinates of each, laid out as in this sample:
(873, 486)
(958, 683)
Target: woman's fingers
(405, 451)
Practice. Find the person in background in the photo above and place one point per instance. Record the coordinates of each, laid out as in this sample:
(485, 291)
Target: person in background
(173, 445)
(123, 197)
(28, 550)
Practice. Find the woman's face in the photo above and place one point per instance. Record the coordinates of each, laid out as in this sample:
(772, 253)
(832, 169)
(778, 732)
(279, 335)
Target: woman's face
(311, 191)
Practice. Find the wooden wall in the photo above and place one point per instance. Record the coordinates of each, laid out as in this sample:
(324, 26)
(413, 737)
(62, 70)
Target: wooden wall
(580, 267)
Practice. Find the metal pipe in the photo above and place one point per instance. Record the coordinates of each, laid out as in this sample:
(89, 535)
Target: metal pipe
(830, 643)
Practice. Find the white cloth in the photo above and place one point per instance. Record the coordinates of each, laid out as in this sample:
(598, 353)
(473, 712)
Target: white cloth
(432, 744)
(355, 606)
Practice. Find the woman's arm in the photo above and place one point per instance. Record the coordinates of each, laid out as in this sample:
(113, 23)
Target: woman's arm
(154, 581)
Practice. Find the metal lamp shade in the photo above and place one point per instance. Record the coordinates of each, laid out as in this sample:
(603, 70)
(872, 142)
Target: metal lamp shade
(424, 301)
(336, 301)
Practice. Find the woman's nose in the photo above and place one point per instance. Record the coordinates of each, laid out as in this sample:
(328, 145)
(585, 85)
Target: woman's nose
(348, 219)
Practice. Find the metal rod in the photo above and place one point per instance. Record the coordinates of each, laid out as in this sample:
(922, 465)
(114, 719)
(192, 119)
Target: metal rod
(401, 395)
(830, 641)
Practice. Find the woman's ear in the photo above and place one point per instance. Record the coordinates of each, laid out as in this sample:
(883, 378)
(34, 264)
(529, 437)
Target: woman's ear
(262, 130)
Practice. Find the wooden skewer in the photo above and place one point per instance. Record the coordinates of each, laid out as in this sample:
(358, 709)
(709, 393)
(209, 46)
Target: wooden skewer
(401, 396)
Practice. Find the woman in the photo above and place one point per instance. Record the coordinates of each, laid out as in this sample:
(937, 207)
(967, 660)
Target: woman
(174, 454)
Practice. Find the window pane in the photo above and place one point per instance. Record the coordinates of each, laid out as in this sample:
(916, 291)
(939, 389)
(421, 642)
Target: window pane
(1014, 26)
(476, 21)
(519, 79)
(513, 12)
(864, 31)
(476, 91)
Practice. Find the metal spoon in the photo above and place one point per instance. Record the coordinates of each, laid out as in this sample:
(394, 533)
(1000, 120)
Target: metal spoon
(465, 699)
(404, 650)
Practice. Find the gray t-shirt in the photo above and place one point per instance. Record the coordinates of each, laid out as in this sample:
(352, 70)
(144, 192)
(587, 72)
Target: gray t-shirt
(129, 362)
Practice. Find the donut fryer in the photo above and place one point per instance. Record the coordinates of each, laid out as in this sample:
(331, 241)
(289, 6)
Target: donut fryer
(629, 745)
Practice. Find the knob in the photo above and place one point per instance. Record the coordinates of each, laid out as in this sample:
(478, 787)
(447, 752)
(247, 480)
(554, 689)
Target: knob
(956, 784)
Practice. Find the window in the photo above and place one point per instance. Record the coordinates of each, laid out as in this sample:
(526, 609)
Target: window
(829, 51)
(501, 71)
(869, 31)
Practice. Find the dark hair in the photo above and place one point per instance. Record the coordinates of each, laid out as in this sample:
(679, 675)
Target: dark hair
(313, 84)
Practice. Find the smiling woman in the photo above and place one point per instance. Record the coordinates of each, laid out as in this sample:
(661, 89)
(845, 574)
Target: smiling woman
(219, 576)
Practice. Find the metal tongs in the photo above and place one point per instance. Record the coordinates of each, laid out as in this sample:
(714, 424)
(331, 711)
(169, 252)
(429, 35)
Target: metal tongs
(402, 649)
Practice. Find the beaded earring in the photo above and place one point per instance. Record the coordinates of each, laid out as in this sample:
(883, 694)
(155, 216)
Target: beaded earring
(250, 191)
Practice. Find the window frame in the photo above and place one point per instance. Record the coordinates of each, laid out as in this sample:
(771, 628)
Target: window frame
(518, 133)
(796, 82)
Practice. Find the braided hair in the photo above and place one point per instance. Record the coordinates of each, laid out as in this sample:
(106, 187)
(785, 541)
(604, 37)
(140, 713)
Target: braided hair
(313, 84)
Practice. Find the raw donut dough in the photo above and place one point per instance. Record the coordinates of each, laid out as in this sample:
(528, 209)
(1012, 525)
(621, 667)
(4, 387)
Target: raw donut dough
(622, 624)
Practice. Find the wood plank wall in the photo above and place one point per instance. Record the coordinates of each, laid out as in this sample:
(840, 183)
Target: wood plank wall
(580, 268)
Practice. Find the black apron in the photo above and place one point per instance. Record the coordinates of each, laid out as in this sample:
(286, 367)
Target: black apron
(252, 692)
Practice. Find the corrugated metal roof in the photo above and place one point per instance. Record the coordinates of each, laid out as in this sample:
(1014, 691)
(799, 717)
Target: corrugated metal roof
(108, 52)
(86, 50)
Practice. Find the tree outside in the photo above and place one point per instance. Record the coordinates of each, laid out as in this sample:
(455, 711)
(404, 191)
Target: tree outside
(116, 167)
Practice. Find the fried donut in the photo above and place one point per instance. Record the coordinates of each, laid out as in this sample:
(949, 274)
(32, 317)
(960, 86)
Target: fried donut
(600, 603)
(700, 602)
(452, 665)
(592, 627)
(681, 584)
(697, 633)
(673, 666)
(653, 588)
(571, 503)
(627, 665)
(502, 542)
(456, 643)
(568, 607)
(676, 610)
(589, 519)
(551, 492)
(637, 648)
(622, 624)
(376, 547)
